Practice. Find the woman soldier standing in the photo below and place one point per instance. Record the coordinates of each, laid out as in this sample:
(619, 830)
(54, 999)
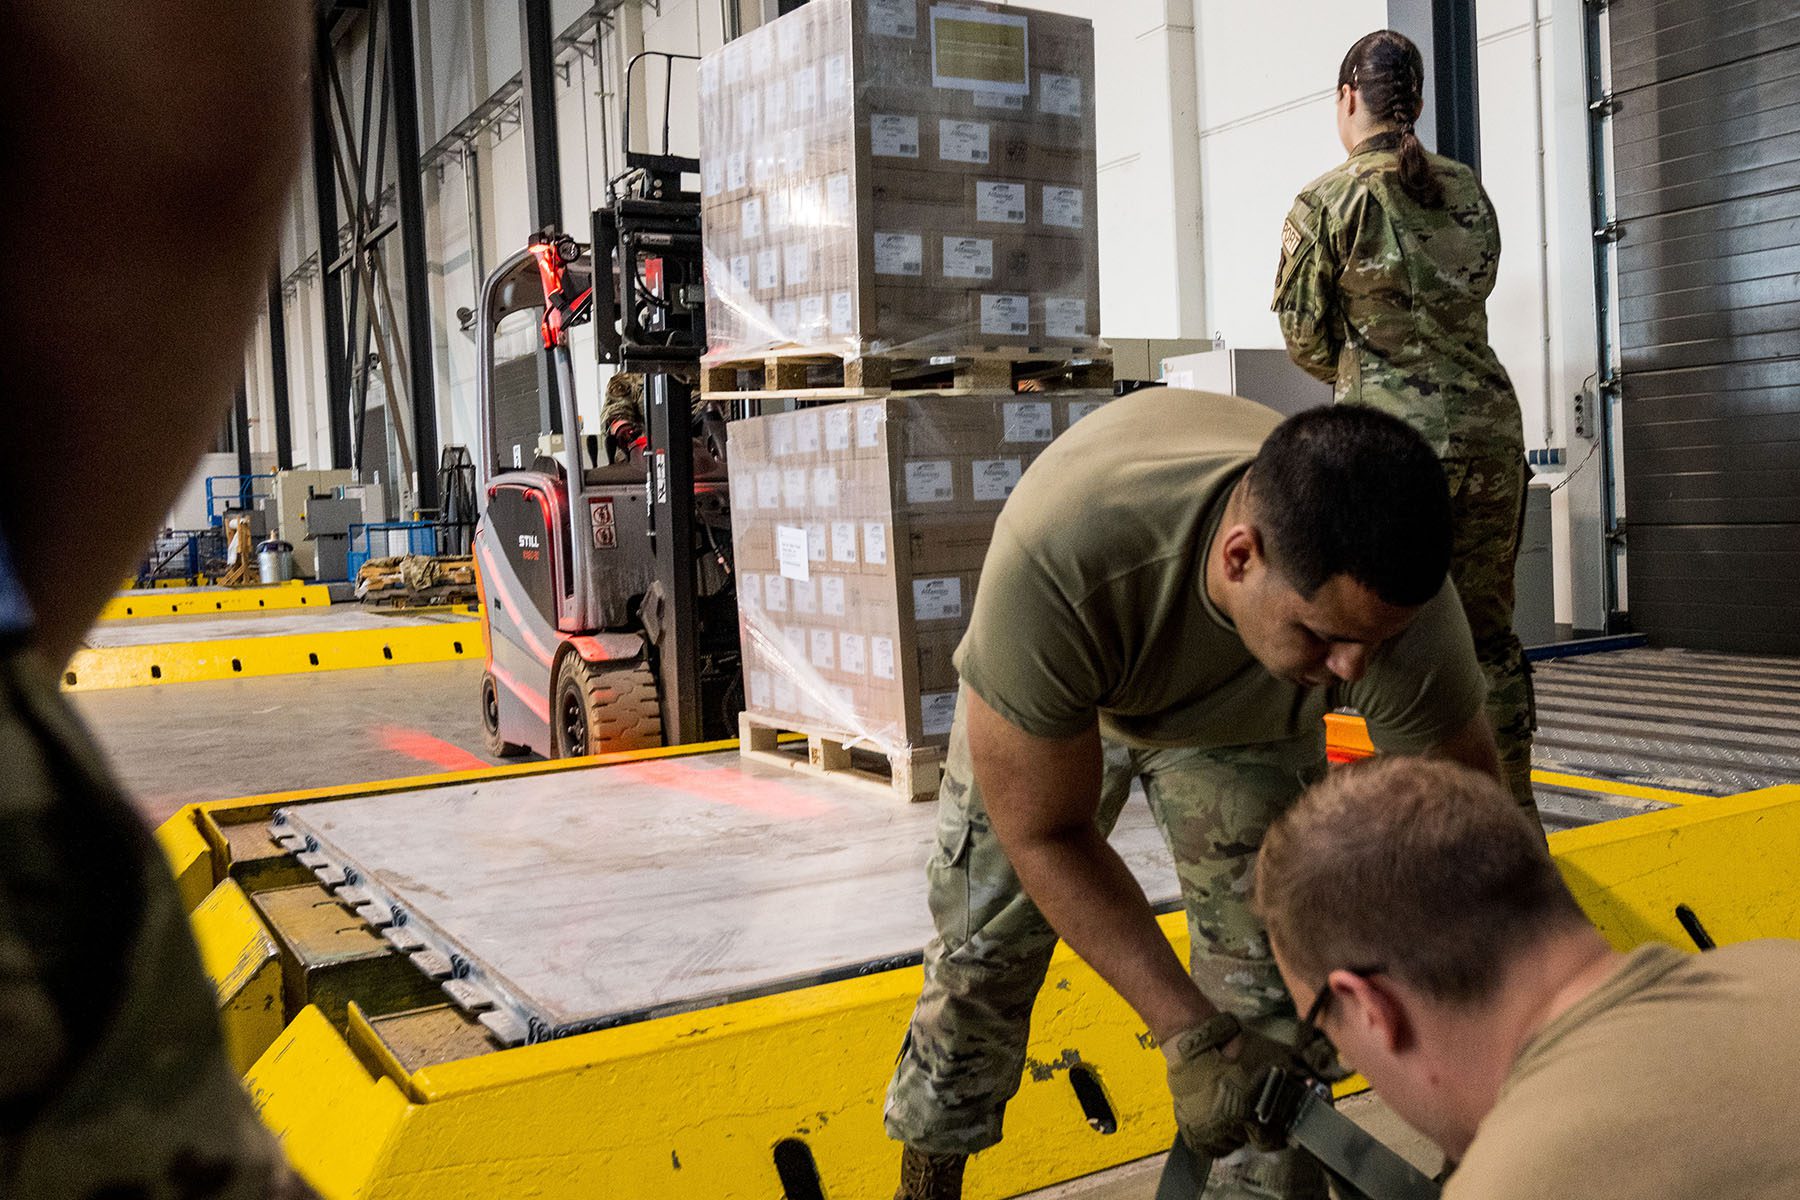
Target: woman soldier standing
(1386, 266)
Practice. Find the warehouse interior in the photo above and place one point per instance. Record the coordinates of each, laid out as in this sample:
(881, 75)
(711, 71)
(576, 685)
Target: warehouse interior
(542, 690)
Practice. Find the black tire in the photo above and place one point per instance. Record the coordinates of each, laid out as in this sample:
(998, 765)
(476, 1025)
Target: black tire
(599, 708)
(490, 722)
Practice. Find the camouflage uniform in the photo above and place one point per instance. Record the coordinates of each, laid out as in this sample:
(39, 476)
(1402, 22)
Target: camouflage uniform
(964, 1054)
(114, 1083)
(1387, 301)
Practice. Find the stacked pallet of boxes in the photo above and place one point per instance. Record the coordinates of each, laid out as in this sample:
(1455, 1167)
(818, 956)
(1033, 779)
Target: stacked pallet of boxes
(859, 531)
(901, 178)
(884, 180)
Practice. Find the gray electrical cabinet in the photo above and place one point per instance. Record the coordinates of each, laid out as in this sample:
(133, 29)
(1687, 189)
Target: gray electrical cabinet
(328, 522)
(1534, 580)
(1265, 376)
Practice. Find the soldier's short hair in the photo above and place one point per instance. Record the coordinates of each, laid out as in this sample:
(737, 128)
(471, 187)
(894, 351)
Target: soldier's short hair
(1348, 490)
(1422, 866)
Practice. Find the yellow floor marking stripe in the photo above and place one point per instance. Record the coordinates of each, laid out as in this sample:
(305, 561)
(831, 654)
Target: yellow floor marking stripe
(147, 602)
(98, 669)
(1582, 783)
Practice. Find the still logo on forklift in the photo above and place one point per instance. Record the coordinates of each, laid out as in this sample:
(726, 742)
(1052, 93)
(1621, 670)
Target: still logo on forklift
(529, 546)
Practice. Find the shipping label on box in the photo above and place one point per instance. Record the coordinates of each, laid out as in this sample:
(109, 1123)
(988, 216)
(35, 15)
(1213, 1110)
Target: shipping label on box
(805, 83)
(999, 203)
(1059, 95)
(995, 478)
(824, 649)
(1081, 408)
(1005, 314)
(786, 699)
(837, 198)
(781, 436)
(837, 430)
(775, 593)
(740, 270)
(768, 489)
(797, 259)
(1026, 421)
(1063, 207)
(893, 135)
(843, 542)
(805, 595)
(1065, 317)
(853, 653)
(1000, 100)
(790, 551)
(825, 487)
(930, 481)
(843, 313)
(793, 487)
(899, 254)
(761, 693)
(869, 420)
(837, 81)
(968, 258)
(937, 712)
(893, 18)
(815, 542)
(786, 315)
(938, 599)
(750, 217)
(750, 591)
(881, 657)
(979, 51)
(831, 595)
(964, 141)
(806, 431)
(875, 543)
(768, 270)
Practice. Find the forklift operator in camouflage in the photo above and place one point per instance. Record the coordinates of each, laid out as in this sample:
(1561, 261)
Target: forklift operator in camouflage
(1386, 265)
(1176, 593)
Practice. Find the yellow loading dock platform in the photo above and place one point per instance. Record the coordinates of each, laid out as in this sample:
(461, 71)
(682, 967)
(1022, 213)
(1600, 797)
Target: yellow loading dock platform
(141, 653)
(139, 603)
(680, 974)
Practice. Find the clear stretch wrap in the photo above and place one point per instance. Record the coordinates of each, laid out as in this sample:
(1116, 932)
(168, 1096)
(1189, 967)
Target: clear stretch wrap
(903, 178)
(859, 532)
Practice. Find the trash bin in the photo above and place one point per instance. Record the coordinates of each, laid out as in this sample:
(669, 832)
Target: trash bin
(275, 561)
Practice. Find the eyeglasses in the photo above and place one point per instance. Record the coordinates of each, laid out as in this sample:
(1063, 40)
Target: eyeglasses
(1310, 1032)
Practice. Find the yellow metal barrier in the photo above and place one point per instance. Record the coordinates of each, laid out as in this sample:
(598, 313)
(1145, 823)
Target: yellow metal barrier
(164, 602)
(240, 958)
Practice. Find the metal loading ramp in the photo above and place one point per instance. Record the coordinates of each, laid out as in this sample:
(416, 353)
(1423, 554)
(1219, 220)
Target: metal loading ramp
(564, 903)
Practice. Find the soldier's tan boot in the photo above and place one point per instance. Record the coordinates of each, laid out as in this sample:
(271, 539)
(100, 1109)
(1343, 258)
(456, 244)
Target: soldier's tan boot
(930, 1176)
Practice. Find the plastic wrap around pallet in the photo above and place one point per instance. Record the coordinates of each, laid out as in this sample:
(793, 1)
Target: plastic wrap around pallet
(859, 531)
(902, 178)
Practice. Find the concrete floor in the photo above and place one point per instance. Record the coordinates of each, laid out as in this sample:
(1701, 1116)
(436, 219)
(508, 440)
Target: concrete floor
(179, 743)
(1137, 1180)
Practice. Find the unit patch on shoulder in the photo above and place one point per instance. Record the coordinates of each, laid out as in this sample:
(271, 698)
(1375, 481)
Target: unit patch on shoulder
(1291, 237)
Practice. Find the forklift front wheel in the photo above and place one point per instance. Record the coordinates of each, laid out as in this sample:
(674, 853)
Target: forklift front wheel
(602, 707)
(490, 722)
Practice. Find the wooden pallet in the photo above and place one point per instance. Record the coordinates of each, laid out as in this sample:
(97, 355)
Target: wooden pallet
(813, 375)
(912, 774)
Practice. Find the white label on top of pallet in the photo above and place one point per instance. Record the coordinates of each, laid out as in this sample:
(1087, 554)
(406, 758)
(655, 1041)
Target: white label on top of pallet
(968, 258)
(843, 542)
(853, 653)
(881, 657)
(775, 104)
(937, 712)
(1006, 315)
(892, 135)
(806, 88)
(995, 478)
(837, 428)
(963, 141)
(893, 18)
(1059, 95)
(735, 172)
(1026, 421)
(781, 436)
(1081, 408)
(999, 203)
(831, 595)
(837, 197)
(837, 81)
(760, 690)
(786, 701)
(825, 487)
(843, 312)
(793, 487)
(899, 254)
(768, 489)
(812, 319)
(768, 269)
(806, 598)
(929, 481)
(797, 259)
(875, 543)
(775, 593)
(750, 217)
(868, 425)
(937, 599)
(740, 270)
(999, 100)
(790, 551)
(824, 649)
(1063, 207)
(806, 432)
(1065, 316)
(785, 315)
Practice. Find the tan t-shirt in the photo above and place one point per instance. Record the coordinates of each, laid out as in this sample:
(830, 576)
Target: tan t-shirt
(1678, 1078)
(1093, 599)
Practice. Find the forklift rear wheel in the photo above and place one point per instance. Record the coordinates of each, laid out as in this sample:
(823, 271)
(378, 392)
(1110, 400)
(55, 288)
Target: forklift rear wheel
(603, 707)
(490, 722)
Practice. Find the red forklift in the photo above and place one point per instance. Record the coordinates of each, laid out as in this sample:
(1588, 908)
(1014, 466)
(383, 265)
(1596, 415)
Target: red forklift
(604, 557)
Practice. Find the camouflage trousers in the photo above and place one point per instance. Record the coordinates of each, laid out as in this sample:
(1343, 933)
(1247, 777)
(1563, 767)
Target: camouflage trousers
(964, 1054)
(114, 1083)
(1488, 499)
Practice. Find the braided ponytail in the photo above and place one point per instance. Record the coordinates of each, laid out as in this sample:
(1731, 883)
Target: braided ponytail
(1387, 71)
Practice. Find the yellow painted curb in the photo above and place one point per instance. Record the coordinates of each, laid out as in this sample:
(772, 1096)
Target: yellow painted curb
(152, 602)
(99, 669)
(240, 958)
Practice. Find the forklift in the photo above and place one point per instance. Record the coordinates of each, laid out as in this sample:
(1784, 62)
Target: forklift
(604, 558)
